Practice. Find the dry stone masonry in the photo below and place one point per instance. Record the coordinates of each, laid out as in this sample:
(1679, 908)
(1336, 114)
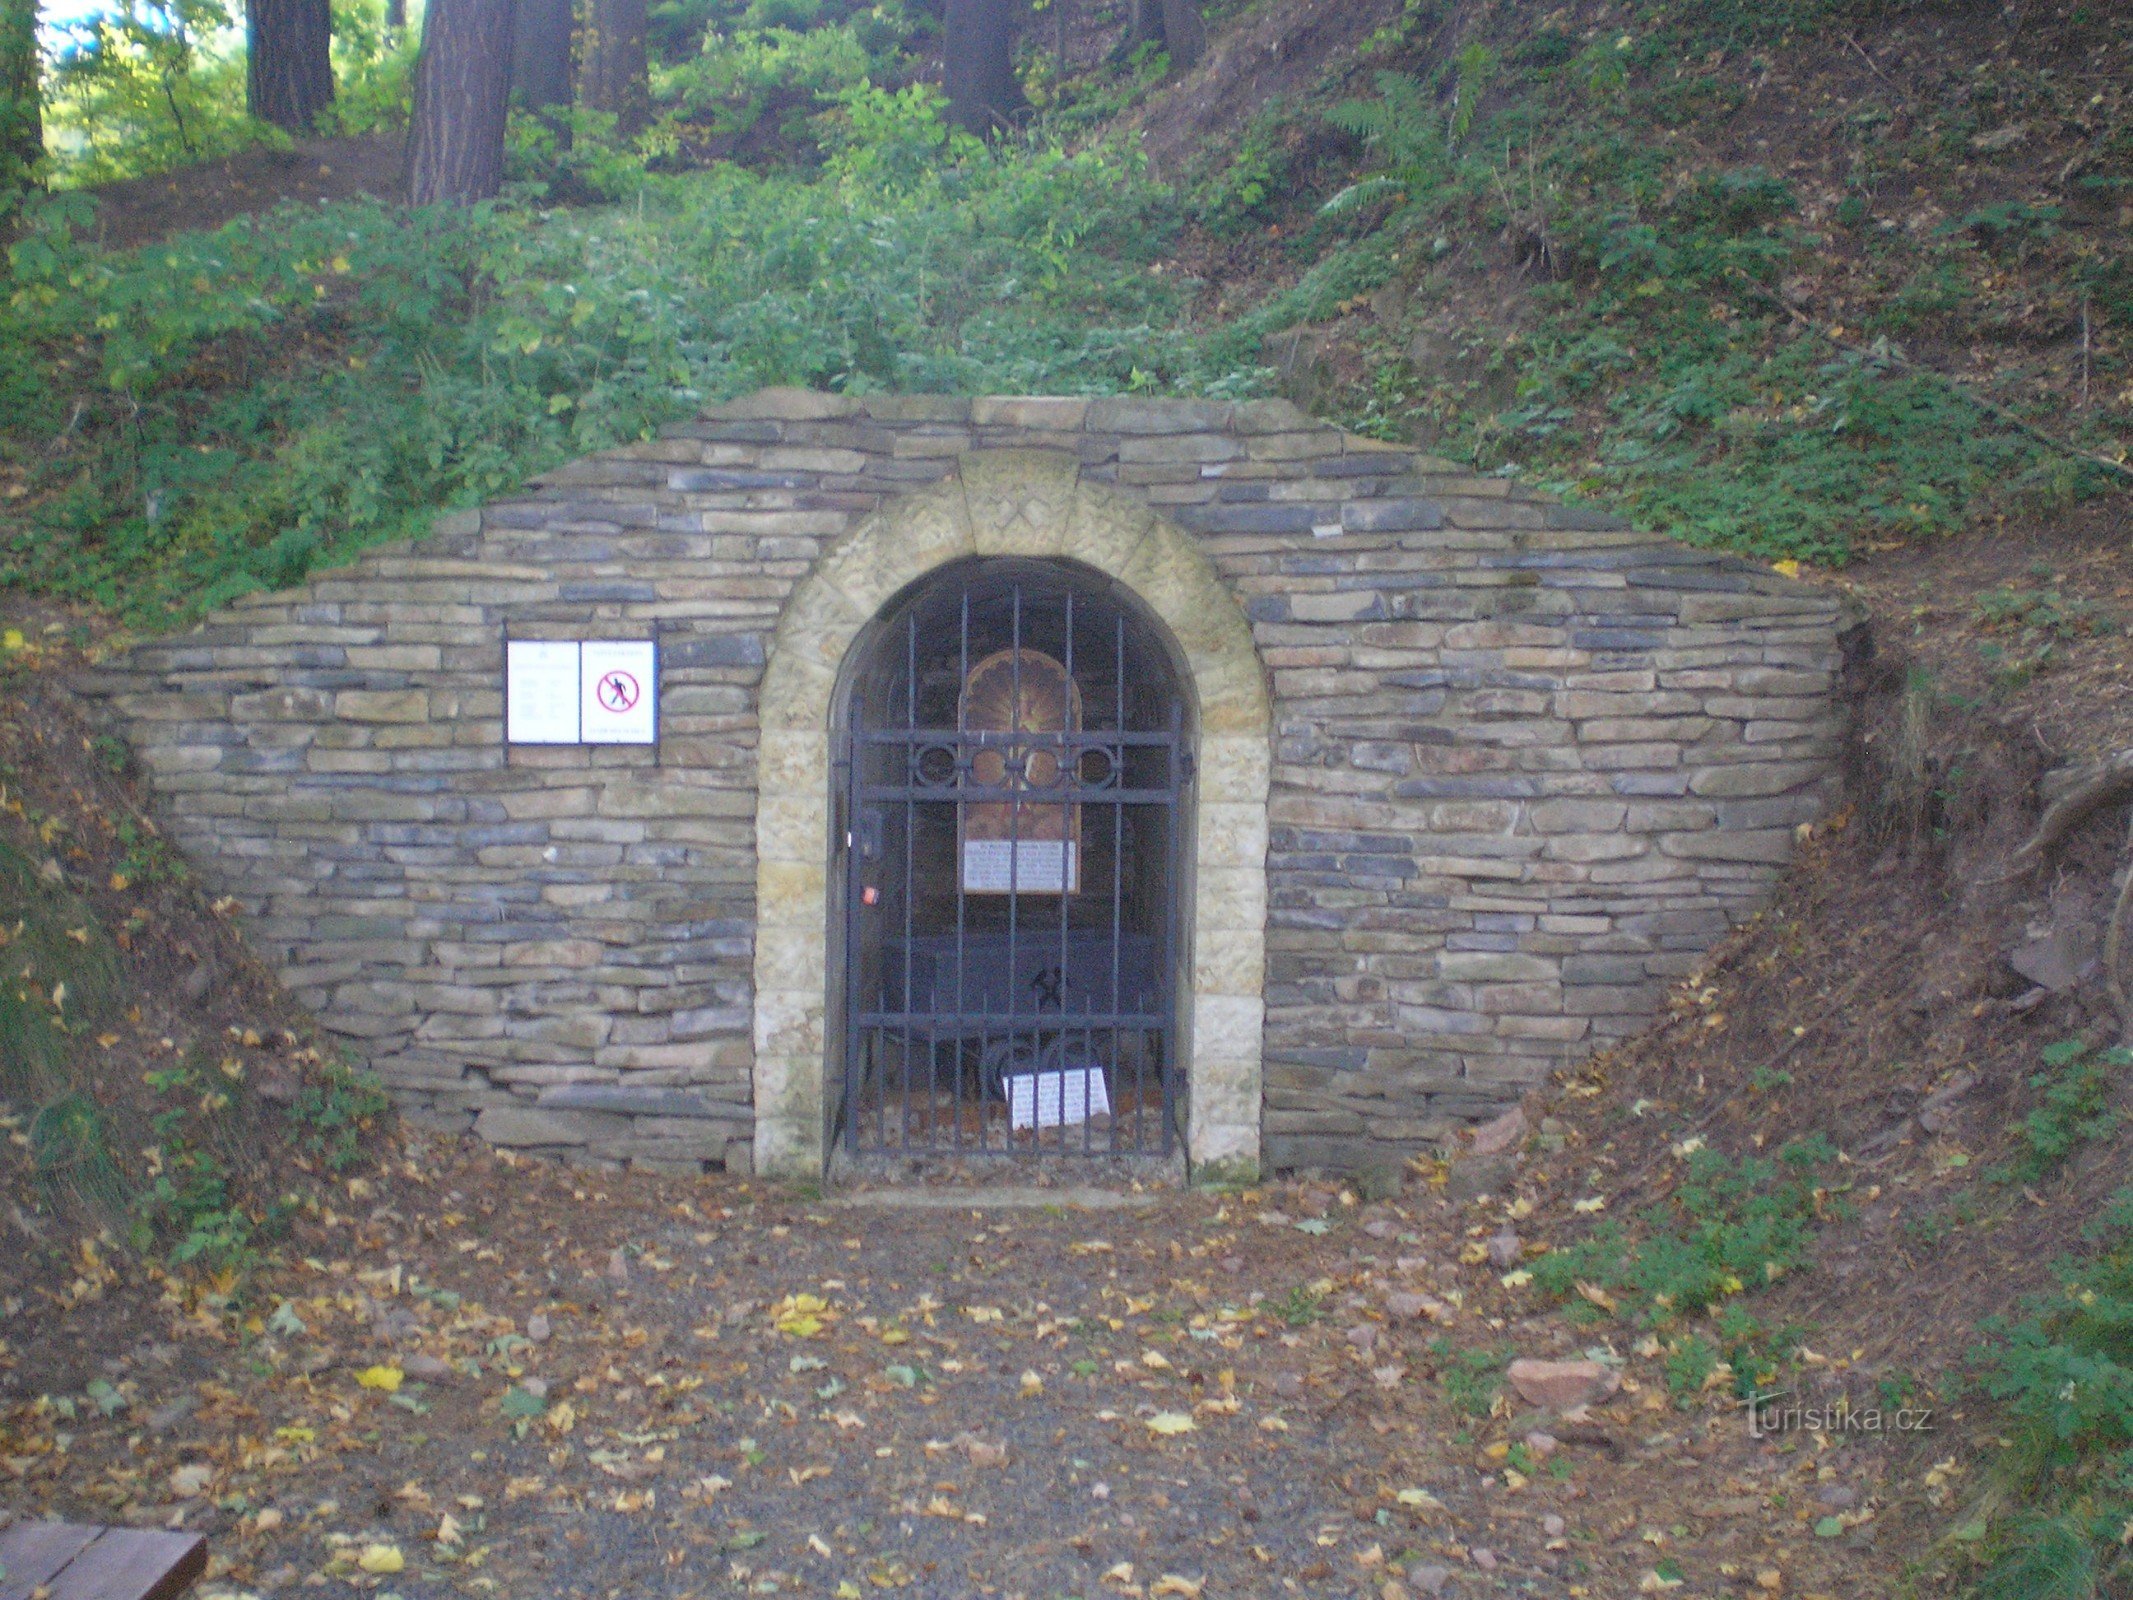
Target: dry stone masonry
(1483, 772)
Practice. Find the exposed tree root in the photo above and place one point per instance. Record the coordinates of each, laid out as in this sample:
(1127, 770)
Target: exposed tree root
(2114, 941)
(2073, 797)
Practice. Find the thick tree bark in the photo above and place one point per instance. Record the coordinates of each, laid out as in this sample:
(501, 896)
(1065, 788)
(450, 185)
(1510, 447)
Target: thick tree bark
(977, 44)
(455, 139)
(612, 75)
(540, 54)
(1184, 34)
(21, 107)
(1173, 24)
(288, 74)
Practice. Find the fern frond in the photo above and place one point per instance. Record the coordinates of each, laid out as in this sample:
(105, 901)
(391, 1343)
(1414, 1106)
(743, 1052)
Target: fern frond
(1366, 119)
(1363, 192)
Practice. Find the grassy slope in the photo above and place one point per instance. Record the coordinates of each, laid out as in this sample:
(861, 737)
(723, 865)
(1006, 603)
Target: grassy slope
(1682, 256)
(157, 1089)
(1672, 256)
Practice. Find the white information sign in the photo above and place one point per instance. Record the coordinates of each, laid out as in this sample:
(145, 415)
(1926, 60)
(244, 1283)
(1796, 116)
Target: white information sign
(619, 691)
(1027, 866)
(1056, 1099)
(599, 691)
(541, 692)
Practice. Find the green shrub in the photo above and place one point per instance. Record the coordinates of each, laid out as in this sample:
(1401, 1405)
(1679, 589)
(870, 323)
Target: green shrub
(70, 1152)
(58, 975)
(2075, 1094)
(246, 405)
(1241, 190)
(2062, 1367)
(1471, 1377)
(190, 1204)
(332, 1111)
(738, 78)
(373, 70)
(1301, 1306)
(141, 87)
(1730, 1226)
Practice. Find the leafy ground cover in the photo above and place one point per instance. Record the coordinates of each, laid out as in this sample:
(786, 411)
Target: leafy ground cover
(712, 1388)
(219, 412)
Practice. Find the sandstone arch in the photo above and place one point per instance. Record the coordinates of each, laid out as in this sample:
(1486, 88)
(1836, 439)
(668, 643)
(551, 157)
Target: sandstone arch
(1023, 503)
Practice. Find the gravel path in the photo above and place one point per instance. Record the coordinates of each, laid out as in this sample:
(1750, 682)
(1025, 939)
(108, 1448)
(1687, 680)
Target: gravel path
(506, 1379)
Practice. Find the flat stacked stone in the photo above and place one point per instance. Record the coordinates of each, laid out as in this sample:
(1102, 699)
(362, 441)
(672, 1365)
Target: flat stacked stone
(1528, 765)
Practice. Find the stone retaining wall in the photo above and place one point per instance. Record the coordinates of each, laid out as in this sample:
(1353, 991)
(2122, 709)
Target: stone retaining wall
(1526, 765)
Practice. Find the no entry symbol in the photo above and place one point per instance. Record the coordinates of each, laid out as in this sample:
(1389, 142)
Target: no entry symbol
(616, 692)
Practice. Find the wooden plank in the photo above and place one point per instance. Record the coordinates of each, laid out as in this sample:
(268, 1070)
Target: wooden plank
(31, 1552)
(130, 1564)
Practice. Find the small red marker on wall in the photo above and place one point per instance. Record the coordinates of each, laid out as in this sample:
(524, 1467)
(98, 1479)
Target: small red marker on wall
(870, 896)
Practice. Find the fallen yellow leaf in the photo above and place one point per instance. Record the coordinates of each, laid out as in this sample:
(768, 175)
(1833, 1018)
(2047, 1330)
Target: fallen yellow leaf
(381, 1558)
(800, 1315)
(1169, 1422)
(385, 1378)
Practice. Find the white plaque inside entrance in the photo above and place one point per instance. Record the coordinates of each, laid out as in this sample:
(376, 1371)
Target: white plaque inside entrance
(1020, 866)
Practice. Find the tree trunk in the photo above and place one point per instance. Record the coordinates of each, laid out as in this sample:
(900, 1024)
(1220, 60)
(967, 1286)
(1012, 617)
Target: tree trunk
(396, 15)
(21, 107)
(977, 45)
(1144, 24)
(455, 139)
(540, 54)
(1173, 24)
(1184, 34)
(612, 75)
(288, 56)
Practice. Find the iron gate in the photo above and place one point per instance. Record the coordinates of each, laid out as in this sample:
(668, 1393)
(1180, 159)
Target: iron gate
(1010, 790)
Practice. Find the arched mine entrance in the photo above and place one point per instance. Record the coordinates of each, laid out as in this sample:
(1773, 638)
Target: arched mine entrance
(1010, 871)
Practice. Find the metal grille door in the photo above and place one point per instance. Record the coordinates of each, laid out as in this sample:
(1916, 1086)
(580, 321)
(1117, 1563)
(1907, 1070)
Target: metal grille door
(1010, 788)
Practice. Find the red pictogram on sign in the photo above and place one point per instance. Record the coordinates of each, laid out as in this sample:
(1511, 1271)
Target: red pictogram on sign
(616, 692)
